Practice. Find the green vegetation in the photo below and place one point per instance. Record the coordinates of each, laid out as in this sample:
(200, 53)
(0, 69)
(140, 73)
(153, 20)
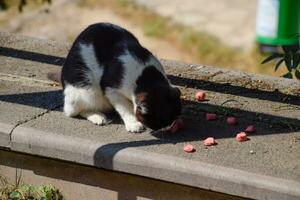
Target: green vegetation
(19, 191)
(291, 58)
(155, 28)
(5, 4)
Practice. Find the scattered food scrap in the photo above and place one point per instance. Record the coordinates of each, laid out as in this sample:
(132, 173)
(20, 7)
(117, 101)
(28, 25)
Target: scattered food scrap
(250, 129)
(231, 121)
(200, 96)
(241, 137)
(176, 125)
(189, 148)
(211, 116)
(209, 141)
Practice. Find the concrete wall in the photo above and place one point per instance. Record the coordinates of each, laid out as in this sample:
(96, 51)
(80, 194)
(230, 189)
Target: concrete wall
(83, 182)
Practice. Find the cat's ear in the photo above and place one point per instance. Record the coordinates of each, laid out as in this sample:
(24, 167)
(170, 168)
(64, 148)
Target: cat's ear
(175, 92)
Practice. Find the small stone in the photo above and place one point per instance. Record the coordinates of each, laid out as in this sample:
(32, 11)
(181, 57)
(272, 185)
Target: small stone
(252, 152)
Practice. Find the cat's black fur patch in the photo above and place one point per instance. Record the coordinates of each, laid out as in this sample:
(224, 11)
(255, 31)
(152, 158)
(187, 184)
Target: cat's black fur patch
(162, 101)
(109, 42)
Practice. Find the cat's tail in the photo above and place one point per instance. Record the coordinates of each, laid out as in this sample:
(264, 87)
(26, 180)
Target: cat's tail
(54, 76)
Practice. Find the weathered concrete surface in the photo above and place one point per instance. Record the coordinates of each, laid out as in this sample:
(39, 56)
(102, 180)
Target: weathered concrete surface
(79, 182)
(189, 74)
(20, 103)
(253, 169)
(129, 158)
(21, 57)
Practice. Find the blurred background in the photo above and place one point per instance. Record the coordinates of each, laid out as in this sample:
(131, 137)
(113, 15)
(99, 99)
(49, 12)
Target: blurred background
(229, 34)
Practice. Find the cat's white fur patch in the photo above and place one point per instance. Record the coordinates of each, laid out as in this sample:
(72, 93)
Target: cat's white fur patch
(124, 107)
(133, 68)
(144, 109)
(96, 118)
(88, 55)
(79, 100)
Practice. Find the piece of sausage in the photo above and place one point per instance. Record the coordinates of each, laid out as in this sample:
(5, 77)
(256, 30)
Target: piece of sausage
(209, 141)
(176, 125)
(200, 96)
(188, 148)
(211, 116)
(231, 121)
(241, 137)
(250, 129)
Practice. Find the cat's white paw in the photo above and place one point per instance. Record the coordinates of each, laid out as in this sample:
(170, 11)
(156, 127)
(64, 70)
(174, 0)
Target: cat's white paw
(98, 119)
(134, 127)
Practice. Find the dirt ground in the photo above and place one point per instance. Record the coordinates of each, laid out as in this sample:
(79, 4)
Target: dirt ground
(63, 20)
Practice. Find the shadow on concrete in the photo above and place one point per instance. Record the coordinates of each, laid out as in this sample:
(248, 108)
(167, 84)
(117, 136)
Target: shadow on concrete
(194, 112)
(222, 88)
(49, 99)
(45, 100)
(275, 96)
(27, 55)
(197, 130)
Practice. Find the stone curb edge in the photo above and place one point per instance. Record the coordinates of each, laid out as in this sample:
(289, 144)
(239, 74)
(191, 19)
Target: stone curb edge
(158, 166)
(5, 133)
(238, 78)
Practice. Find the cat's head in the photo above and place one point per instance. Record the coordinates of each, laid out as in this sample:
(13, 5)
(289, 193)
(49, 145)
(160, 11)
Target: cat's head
(159, 107)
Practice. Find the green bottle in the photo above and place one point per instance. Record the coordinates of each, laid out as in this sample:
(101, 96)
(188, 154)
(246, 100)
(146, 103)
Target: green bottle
(277, 22)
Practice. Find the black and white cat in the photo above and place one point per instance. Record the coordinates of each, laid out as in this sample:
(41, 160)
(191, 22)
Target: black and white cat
(107, 69)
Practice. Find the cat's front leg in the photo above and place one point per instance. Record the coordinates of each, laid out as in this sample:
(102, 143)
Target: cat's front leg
(97, 118)
(125, 108)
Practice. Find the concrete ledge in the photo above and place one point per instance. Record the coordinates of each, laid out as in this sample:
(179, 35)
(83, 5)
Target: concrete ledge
(153, 165)
(5, 131)
(32, 106)
(236, 78)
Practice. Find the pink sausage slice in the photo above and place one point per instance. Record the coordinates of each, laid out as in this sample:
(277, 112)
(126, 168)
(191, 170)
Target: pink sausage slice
(200, 96)
(250, 129)
(211, 116)
(241, 137)
(231, 121)
(188, 148)
(209, 141)
(176, 125)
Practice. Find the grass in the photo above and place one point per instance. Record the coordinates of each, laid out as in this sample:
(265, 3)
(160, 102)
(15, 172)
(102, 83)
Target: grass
(205, 48)
(17, 191)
